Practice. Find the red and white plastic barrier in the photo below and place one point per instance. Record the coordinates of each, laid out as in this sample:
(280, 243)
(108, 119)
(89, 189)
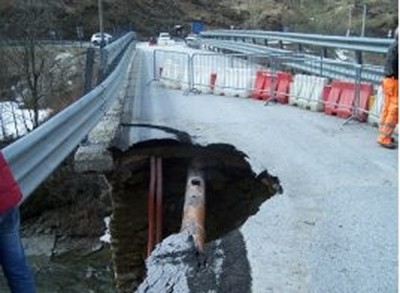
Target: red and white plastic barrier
(306, 92)
(237, 82)
(310, 92)
(204, 79)
(172, 75)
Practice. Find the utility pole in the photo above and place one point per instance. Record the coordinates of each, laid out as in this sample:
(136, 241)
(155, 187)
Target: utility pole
(100, 8)
(363, 20)
(349, 25)
(103, 57)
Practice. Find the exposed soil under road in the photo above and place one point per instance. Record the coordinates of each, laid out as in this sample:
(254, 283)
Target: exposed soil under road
(233, 193)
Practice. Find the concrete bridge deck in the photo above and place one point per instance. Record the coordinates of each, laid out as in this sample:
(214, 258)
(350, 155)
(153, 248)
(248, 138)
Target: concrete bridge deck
(334, 228)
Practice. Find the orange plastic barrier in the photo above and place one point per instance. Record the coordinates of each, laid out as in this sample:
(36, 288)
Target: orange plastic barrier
(333, 98)
(325, 92)
(259, 84)
(346, 100)
(341, 100)
(269, 87)
(266, 86)
(284, 80)
(366, 91)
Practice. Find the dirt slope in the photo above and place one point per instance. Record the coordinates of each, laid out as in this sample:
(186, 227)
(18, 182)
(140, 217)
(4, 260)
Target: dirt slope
(150, 16)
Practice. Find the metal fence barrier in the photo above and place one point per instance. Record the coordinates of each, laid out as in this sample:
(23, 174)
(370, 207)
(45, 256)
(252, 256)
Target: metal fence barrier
(237, 75)
(171, 68)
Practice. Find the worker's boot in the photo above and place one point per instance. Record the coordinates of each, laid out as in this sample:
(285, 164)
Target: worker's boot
(390, 145)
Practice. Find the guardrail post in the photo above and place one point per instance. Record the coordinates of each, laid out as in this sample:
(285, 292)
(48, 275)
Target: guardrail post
(266, 42)
(321, 66)
(88, 70)
(299, 47)
(103, 65)
(324, 52)
(359, 57)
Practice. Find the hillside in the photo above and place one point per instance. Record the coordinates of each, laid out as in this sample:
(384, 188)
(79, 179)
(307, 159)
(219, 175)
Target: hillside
(148, 17)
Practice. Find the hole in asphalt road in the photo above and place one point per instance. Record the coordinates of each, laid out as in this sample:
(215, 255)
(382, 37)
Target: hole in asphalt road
(233, 193)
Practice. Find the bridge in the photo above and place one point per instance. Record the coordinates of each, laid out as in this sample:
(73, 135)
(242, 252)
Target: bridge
(299, 197)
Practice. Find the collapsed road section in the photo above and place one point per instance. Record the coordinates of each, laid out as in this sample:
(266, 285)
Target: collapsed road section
(181, 205)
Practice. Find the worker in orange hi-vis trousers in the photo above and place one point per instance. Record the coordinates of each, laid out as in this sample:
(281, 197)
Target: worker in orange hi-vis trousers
(389, 115)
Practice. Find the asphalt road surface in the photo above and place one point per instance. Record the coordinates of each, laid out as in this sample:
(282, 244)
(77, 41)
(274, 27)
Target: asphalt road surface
(334, 228)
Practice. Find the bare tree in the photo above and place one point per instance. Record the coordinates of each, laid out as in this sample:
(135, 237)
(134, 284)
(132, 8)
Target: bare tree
(27, 58)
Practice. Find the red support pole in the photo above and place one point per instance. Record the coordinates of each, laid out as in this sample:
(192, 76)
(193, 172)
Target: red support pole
(159, 198)
(150, 236)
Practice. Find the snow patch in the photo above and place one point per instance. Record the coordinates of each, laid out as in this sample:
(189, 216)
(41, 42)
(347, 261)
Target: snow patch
(107, 236)
(63, 57)
(16, 121)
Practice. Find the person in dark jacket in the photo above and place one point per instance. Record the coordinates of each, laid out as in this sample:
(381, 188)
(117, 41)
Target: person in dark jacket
(12, 257)
(389, 115)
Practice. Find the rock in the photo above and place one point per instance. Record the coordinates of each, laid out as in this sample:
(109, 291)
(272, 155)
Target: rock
(39, 245)
(176, 266)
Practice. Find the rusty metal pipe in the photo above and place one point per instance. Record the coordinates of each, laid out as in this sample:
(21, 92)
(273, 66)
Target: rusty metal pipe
(150, 232)
(159, 198)
(194, 206)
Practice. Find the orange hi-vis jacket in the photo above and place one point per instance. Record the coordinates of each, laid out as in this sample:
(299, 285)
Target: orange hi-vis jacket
(389, 116)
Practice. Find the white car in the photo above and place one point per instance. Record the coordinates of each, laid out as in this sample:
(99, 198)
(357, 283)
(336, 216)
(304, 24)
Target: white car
(164, 39)
(193, 41)
(96, 39)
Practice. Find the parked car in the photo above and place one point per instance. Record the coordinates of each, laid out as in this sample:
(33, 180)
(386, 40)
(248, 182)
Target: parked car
(191, 37)
(164, 39)
(192, 41)
(96, 39)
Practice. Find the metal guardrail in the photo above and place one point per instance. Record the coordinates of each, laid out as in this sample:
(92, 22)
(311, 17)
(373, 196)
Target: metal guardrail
(115, 48)
(35, 156)
(373, 45)
(329, 67)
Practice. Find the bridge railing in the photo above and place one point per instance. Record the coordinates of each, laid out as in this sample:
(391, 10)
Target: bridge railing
(370, 73)
(115, 48)
(35, 156)
(361, 44)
